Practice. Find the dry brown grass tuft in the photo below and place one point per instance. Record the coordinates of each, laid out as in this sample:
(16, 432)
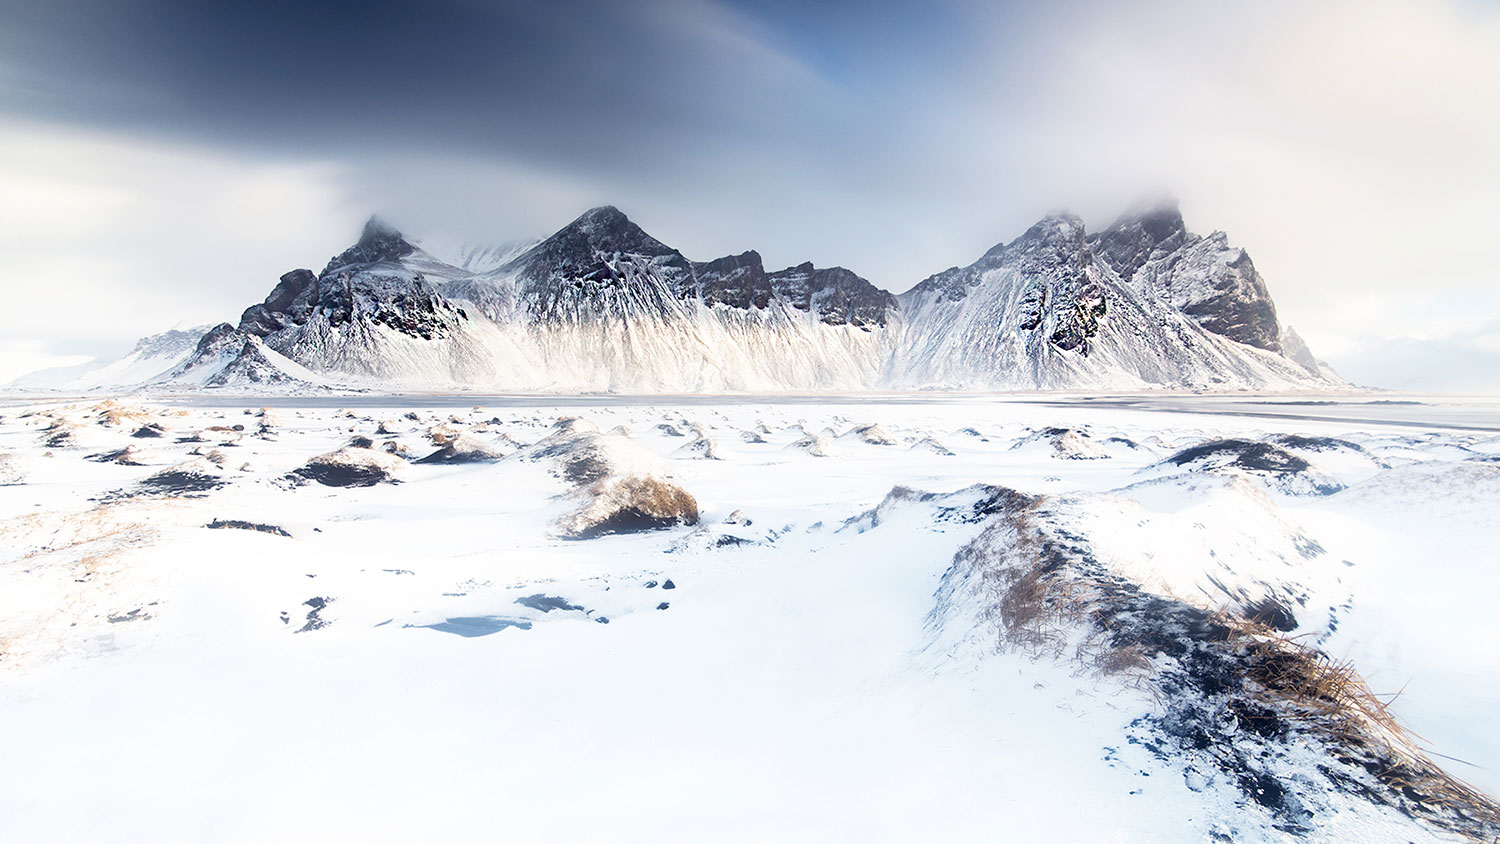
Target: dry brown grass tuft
(112, 413)
(1330, 698)
(1126, 659)
(1037, 607)
(628, 504)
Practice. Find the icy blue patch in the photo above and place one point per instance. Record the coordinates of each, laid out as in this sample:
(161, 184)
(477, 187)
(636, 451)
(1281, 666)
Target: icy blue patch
(472, 626)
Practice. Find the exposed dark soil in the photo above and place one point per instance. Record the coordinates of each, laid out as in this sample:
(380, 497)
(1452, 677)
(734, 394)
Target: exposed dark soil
(631, 520)
(237, 524)
(180, 481)
(1248, 454)
(339, 474)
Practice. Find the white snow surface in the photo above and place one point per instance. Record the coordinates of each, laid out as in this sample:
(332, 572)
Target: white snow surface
(428, 659)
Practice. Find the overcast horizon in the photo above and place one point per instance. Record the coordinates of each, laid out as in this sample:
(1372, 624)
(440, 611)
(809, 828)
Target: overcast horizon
(162, 162)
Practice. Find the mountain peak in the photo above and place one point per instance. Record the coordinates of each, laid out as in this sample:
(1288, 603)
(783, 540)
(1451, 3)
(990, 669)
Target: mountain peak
(1130, 241)
(604, 226)
(576, 247)
(1158, 218)
(606, 214)
(1056, 228)
(376, 228)
(378, 242)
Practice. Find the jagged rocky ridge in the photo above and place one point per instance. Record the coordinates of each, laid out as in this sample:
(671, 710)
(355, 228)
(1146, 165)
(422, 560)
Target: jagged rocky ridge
(602, 305)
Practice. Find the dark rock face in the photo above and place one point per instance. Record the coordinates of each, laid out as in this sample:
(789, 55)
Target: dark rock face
(601, 264)
(219, 340)
(290, 303)
(1136, 238)
(1060, 294)
(577, 248)
(1240, 307)
(739, 281)
(1204, 277)
(365, 283)
(219, 345)
(408, 305)
(838, 296)
(1055, 252)
(604, 264)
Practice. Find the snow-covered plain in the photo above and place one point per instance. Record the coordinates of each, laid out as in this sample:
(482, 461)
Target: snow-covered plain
(814, 660)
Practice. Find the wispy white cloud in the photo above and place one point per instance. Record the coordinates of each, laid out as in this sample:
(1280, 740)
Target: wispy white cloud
(108, 237)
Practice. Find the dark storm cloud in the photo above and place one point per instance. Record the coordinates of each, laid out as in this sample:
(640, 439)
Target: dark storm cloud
(591, 83)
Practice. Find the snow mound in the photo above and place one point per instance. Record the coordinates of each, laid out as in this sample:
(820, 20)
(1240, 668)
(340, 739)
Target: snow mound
(464, 448)
(969, 505)
(871, 434)
(620, 486)
(1266, 726)
(1217, 542)
(351, 466)
(1066, 443)
(1279, 468)
(628, 505)
(815, 444)
(932, 446)
(582, 455)
(1465, 491)
(704, 448)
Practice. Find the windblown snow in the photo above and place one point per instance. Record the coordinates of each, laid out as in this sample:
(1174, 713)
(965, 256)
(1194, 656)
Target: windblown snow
(635, 620)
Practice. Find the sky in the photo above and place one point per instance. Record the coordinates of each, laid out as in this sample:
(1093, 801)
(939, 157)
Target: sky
(162, 162)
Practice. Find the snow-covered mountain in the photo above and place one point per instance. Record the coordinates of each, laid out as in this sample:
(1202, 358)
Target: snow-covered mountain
(602, 305)
(1143, 304)
(150, 359)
